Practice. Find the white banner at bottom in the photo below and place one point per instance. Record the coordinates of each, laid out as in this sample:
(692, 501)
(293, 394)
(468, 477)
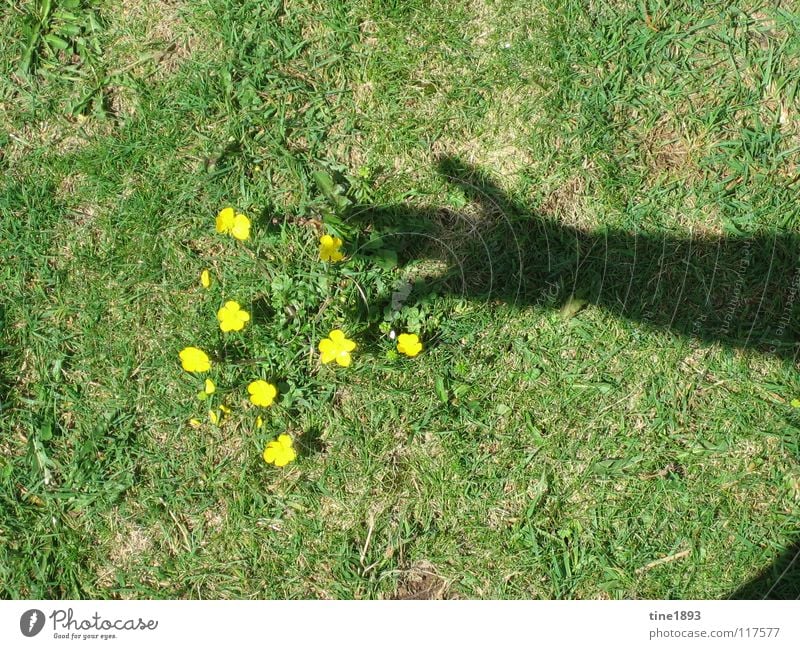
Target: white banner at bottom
(406, 624)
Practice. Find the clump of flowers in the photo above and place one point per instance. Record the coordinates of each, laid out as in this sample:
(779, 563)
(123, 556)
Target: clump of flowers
(280, 452)
(409, 344)
(232, 317)
(194, 359)
(336, 347)
(329, 248)
(235, 224)
(262, 393)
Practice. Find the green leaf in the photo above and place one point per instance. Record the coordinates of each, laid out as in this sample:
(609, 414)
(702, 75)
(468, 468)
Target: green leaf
(441, 391)
(615, 466)
(533, 374)
(69, 30)
(324, 182)
(57, 42)
(44, 9)
(46, 431)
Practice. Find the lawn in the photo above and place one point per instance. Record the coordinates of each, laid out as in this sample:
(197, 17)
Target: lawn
(565, 432)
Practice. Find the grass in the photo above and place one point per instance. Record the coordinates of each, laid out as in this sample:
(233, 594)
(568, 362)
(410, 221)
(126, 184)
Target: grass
(533, 450)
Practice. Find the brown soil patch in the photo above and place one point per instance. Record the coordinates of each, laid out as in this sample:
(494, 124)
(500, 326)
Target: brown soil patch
(422, 582)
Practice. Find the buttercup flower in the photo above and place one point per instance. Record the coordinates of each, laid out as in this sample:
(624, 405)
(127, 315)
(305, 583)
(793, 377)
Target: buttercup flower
(213, 417)
(409, 344)
(280, 451)
(225, 220)
(329, 248)
(259, 422)
(232, 317)
(194, 360)
(336, 347)
(205, 279)
(237, 225)
(209, 388)
(241, 227)
(262, 393)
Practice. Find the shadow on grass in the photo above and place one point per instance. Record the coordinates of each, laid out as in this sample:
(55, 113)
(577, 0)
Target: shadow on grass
(781, 580)
(737, 291)
(740, 292)
(310, 442)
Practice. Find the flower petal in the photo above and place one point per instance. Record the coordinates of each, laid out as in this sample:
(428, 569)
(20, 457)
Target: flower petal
(271, 452)
(285, 456)
(241, 227)
(224, 221)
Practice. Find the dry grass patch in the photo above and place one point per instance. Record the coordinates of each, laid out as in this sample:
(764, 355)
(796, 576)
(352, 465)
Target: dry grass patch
(156, 29)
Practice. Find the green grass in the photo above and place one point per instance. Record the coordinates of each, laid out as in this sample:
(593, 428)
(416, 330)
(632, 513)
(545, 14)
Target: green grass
(527, 453)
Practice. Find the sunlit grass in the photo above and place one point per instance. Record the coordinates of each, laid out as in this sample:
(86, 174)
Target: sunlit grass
(526, 451)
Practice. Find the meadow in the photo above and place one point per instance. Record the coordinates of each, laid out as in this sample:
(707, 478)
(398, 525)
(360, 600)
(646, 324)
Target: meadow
(565, 432)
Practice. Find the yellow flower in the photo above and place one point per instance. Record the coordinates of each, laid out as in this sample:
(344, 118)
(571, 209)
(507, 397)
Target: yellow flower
(225, 220)
(232, 317)
(241, 227)
(329, 248)
(195, 423)
(205, 278)
(795, 403)
(224, 408)
(262, 393)
(210, 388)
(213, 417)
(259, 422)
(195, 360)
(409, 344)
(237, 225)
(280, 451)
(336, 347)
